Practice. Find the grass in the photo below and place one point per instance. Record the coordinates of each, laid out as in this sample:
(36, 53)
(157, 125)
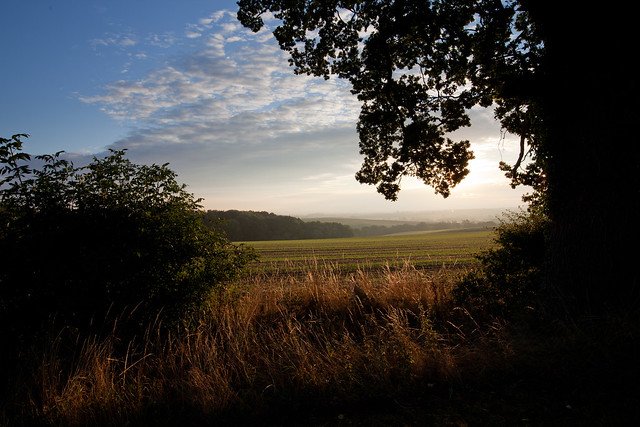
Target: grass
(334, 347)
(448, 248)
(271, 347)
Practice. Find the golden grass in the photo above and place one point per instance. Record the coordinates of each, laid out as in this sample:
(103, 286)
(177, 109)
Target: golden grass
(271, 347)
(277, 347)
(322, 337)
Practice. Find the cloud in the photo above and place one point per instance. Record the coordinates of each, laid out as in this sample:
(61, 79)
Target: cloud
(163, 40)
(243, 131)
(118, 40)
(249, 81)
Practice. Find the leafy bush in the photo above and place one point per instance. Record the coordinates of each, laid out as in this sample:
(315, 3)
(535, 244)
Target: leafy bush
(510, 275)
(78, 241)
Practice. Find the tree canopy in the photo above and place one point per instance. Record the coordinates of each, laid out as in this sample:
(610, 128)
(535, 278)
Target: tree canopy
(418, 68)
(241, 226)
(558, 75)
(79, 241)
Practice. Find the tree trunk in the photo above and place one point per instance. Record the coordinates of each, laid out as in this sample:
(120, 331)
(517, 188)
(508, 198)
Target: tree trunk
(590, 102)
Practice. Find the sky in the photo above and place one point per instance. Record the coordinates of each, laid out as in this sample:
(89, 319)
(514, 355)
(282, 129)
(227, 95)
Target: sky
(182, 82)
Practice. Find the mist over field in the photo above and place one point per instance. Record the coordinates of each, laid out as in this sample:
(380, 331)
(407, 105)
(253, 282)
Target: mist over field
(487, 214)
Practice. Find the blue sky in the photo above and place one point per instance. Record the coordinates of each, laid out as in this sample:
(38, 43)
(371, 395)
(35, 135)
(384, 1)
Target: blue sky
(182, 82)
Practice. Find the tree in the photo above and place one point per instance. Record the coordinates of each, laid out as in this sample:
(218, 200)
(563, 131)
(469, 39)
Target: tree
(249, 225)
(553, 76)
(507, 281)
(76, 242)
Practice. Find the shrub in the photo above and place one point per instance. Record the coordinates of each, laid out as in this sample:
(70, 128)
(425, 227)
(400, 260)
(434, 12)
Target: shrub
(510, 275)
(78, 241)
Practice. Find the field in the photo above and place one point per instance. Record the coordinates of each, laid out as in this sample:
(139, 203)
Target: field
(444, 248)
(300, 343)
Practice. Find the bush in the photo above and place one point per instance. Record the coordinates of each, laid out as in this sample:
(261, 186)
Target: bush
(77, 242)
(510, 275)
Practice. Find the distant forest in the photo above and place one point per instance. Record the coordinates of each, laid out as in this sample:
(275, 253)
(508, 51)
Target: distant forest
(242, 226)
(380, 230)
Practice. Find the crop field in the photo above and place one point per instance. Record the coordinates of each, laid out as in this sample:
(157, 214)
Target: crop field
(436, 249)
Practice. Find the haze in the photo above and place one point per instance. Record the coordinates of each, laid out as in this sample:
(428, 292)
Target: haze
(183, 83)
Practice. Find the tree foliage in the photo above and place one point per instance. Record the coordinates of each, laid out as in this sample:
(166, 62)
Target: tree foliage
(507, 282)
(249, 225)
(77, 241)
(559, 75)
(418, 68)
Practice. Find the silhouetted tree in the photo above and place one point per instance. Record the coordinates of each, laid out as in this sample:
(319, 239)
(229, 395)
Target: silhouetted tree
(249, 225)
(78, 241)
(558, 75)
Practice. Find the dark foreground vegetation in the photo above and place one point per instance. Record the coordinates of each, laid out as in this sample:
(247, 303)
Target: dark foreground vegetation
(118, 306)
(393, 348)
(153, 322)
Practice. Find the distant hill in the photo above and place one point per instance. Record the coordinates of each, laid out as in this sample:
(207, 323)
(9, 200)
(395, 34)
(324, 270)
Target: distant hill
(242, 226)
(373, 224)
(362, 222)
(400, 217)
(367, 227)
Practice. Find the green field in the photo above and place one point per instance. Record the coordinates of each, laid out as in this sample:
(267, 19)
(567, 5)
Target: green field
(449, 248)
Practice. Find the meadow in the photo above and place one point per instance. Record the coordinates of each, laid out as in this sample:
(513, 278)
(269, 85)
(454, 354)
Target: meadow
(433, 249)
(356, 331)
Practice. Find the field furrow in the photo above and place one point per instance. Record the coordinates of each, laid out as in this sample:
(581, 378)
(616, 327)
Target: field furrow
(449, 248)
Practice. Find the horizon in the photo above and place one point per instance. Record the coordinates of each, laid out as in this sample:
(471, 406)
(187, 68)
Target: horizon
(471, 214)
(186, 84)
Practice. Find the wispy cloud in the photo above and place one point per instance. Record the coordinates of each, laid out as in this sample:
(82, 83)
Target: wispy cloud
(234, 75)
(232, 111)
(118, 40)
(235, 122)
(163, 40)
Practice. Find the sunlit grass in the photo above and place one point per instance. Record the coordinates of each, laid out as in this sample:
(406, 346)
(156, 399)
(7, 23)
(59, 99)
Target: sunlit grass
(319, 336)
(450, 248)
(285, 348)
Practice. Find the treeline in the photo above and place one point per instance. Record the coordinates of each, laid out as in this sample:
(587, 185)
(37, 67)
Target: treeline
(249, 225)
(380, 230)
(241, 226)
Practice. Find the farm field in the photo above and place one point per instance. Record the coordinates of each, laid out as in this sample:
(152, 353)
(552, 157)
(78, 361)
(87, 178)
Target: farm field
(444, 248)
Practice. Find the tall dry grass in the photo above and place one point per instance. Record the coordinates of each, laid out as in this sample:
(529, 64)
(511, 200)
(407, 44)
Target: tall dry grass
(267, 344)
